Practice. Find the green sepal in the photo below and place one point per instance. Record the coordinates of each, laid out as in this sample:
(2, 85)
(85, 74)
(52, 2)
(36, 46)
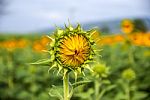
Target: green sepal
(78, 28)
(54, 64)
(50, 38)
(59, 69)
(42, 62)
(88, 67)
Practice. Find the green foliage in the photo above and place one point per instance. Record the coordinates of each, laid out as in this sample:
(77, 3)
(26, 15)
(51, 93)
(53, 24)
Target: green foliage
(21, 81)
(140, 25)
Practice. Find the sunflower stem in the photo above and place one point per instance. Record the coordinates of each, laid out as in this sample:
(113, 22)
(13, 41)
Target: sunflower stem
(66, 86)
(128, 91)
(97, 86)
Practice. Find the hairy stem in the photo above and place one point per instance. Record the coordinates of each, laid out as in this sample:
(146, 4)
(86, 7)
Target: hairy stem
(97, 85)
(66, 86)
(128, 92)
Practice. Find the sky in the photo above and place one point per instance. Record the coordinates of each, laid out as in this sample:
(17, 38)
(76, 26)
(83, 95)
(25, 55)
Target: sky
(32, 15)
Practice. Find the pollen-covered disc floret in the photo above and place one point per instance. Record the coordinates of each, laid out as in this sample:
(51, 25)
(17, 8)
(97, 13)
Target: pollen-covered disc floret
(74, 50)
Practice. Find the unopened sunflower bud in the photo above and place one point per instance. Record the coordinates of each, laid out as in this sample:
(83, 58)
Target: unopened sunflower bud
(101, 70)
(129, 74)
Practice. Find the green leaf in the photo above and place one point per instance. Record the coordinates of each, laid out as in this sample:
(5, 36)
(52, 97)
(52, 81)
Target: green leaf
(106, 90)
(76, 84)
(120, 96)
(56, 91)
(106, 82)
(139, 95)
(110, 87)
(85, 95)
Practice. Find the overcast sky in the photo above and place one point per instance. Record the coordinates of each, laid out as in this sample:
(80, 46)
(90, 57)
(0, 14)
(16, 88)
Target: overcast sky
(33, 15)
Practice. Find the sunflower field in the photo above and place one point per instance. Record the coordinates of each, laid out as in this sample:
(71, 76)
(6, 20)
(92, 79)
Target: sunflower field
(121, 70)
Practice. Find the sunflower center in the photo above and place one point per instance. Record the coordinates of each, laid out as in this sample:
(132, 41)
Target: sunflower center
(74, 50)
(126, 26)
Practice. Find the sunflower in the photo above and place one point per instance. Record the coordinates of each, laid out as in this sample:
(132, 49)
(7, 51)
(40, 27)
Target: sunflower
(127, 26)
(72, 49)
